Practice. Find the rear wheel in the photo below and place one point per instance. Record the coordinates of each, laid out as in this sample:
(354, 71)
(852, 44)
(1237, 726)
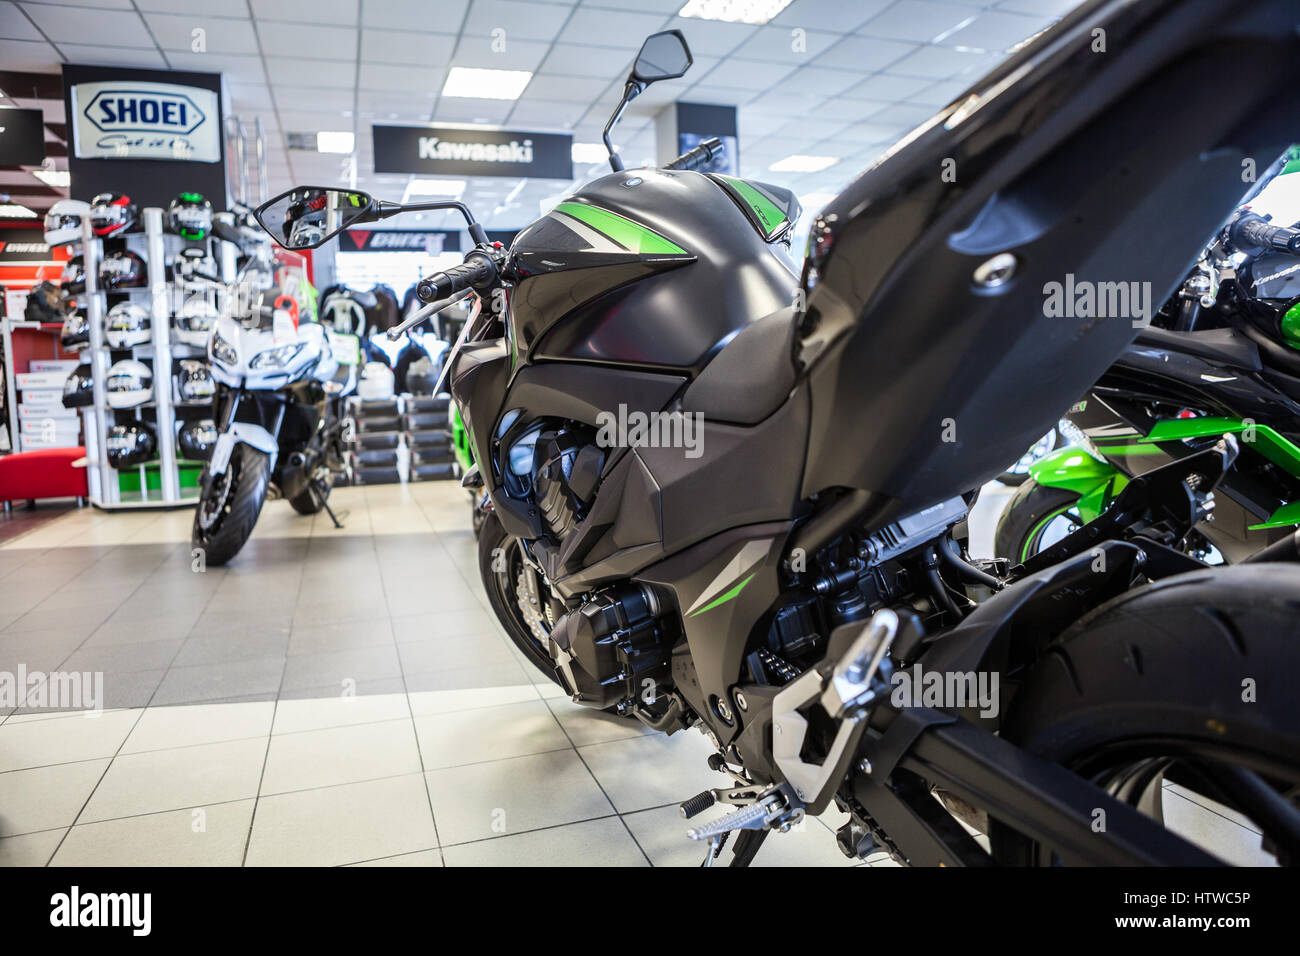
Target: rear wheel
(312, 498)
(1176, 695)
(228, 509)
(1035, 518)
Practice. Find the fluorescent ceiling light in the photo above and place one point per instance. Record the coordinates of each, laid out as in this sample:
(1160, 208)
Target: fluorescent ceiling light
(480, 84)
(435, 187)
(733, 11)
(334, 142)
(14, 211)
(799, 163)
(588, 153)
(58, 178)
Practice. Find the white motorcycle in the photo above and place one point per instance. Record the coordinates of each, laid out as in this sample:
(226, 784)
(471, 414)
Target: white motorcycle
(278, 409)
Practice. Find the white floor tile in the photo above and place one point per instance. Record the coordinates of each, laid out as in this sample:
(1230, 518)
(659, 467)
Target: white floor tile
(185, 725)
(205, 836)
(64, 739)
(488, 733)
(592, 843)
(324, 758)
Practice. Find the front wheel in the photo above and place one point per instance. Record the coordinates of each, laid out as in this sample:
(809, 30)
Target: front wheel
(1177, 698)
(517, 593)
(1035, 518)
(230, 504)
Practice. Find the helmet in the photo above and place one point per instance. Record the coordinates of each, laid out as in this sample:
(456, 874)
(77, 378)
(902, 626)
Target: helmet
(112, 214)
(194, 382)
(194, 321)
(196, 439)
(128, 325)
(376, 381)
(63, 222)
(129, 384)
(73, 280)
(190, 216)
(130, 445)
(79, 389)
(123, 270)
(44, 304)
(76, 333)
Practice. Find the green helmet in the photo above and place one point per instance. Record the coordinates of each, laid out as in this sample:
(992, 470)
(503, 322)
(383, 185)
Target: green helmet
(190, 216)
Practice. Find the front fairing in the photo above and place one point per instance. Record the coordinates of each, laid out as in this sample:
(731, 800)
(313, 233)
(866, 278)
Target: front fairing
(234, 348)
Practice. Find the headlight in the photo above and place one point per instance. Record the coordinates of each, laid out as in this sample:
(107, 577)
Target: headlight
(275, 358)
(222, 351)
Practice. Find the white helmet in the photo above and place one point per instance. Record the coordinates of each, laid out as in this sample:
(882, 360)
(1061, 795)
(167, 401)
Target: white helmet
(128, 325)
(376, 381)
(193, 323)
(129, 384)
(63, 222)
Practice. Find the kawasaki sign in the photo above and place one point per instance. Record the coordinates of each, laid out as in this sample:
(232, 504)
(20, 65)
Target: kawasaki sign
(472, 152)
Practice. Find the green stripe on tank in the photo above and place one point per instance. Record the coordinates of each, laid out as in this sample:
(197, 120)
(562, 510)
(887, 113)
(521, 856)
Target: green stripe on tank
(769, 214)
(631, 235)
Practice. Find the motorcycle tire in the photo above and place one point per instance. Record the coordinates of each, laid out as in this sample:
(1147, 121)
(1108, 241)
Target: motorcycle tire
(1162, 672)
(1016, 478)
(1026, 515)
(249, 474)
(501, 587)
(309, 501)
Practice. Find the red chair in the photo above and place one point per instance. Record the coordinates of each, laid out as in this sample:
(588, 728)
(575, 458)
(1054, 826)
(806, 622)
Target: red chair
(44, 473)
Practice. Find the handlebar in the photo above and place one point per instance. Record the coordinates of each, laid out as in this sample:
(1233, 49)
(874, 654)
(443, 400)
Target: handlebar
(477, 269)
(1253, 234)
(698, 157)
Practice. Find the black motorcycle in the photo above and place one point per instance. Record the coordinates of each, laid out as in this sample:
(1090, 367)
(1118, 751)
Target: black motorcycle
(714, 507)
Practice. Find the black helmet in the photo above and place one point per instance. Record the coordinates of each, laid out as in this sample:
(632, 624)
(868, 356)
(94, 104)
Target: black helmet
(76, 333)
(112, 214)
(194, 382)
(79, 389)
(196, 439)
(45, 303)
(123, 270)
(130, 445)
(190, 216)
(73, 281)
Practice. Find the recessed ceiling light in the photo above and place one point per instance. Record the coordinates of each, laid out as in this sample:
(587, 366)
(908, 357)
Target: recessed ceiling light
(481, 84)
(586, 153)
(58, 178)
(733, 11)
(334, 142)
(799, 163)
(14, 211)
(435, 187)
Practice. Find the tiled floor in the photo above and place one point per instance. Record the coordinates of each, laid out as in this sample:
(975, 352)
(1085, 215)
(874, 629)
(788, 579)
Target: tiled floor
(330, 698)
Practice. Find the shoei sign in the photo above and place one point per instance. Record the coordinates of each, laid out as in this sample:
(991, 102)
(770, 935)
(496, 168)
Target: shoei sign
(472, 152)
(140, 120)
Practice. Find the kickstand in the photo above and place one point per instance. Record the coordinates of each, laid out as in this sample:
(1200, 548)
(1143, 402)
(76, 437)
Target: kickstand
(747, 844)
(325, 503)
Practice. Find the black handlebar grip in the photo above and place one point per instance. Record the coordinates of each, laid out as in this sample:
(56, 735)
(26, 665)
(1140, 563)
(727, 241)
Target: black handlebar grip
(476, 270)
(700, 156)
(1253, 234)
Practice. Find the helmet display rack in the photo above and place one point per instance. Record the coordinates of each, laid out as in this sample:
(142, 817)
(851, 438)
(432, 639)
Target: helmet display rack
(159, 251)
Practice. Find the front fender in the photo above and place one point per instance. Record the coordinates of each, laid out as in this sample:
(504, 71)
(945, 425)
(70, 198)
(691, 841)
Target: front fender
(1095, 481)
(249, 434)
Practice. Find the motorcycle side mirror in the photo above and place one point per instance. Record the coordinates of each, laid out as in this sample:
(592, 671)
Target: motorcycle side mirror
(309, 216)
(663, 56)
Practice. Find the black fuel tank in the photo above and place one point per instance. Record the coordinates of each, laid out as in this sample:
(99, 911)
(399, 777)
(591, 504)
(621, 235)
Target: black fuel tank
(645, 267)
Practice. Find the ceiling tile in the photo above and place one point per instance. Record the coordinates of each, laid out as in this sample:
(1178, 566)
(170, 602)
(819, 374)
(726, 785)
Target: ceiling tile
(777, 44)
(996, 31)
(712, 37)
(717, 95)
(405, 79)
(546, 114)
(516, 55)
(518, 19)
(78, 24)
(941, 93)
(456, 109)
(839, 108)
(300, 39)
(238, 68)
(916, 20)
(29, 57)
(572, 89)
(865, 54)
(291, 71)
(838, 17)
(112, 56)
(15, 26)
(415, 49)
(903, 114)
(746, 74)
(941, 63)
(313, 98)
(180, 6)
(103, 4)
(572, 59)
(885, 86)
(176, 32)
(415, 15)
(1046, 8)
(340, 12)
(812, 79)
(617, 28)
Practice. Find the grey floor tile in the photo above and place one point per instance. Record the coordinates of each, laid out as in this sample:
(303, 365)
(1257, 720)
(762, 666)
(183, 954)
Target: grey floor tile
(488, 733)
(331, 667)
(200, 836)
(53, 616)
(188, 685)
(46, 797)
(142, 656)
(504, 797)
(164, 628)
(453, 654)
(418, 858)
(173, 779)
(251, 644)
(654, 770)
(344, 824)
(500, 674)
(30, 849)
(347, 635)
(37, 650)
(355, 688)
(591, 843)
(324, 758)
(587, 726)
(445, 626)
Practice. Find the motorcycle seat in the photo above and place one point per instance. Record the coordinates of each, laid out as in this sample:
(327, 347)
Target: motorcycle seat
(750, 376)
(1226, 346)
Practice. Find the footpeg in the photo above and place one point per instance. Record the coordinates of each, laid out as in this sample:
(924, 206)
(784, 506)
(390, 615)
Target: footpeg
(696, 804)
(759, 815)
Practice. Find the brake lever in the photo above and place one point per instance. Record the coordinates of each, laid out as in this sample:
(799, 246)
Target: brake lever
(416, 318)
